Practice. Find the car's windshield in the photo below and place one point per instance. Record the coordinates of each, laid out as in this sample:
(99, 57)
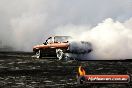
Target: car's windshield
(62, 38)
(49, 40)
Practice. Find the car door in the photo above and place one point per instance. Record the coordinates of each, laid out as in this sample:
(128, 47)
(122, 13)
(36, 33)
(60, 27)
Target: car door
(51, 50)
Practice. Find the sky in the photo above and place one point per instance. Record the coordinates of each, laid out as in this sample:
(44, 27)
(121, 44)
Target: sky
(25, 23)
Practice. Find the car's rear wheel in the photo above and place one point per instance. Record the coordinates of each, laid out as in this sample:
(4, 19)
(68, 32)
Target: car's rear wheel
(60, 54)
(38, 54)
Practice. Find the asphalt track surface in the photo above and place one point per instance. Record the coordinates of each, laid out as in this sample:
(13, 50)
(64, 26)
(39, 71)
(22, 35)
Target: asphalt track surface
(21, 70)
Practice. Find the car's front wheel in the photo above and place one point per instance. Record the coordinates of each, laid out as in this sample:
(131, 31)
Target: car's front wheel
(38, 54)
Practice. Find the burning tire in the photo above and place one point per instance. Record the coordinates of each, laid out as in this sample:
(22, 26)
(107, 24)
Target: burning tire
(38, 54)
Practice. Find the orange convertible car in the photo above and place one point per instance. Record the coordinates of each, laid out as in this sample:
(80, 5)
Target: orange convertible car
(61, 47)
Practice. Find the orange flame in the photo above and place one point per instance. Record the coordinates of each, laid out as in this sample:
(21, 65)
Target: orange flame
(81, 71)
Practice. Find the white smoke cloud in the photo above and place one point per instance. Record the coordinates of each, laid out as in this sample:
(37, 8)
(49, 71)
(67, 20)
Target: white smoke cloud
(110, 39)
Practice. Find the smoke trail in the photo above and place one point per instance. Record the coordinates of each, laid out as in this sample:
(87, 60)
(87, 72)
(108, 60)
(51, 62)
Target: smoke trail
(110, 39)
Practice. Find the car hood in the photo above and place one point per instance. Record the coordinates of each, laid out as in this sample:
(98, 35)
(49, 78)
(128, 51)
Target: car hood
(37, 46)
